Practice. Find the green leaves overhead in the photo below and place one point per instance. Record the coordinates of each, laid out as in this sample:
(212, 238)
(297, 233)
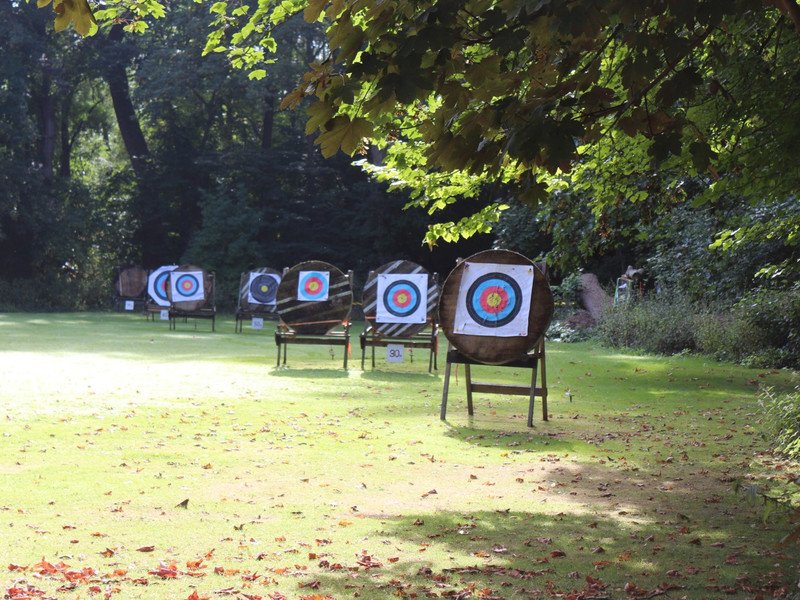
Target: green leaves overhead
(345, 134)
(494, 94)
(74, 12)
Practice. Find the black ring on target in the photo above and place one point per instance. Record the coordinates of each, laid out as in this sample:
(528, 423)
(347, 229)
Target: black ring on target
(494, 300)
(160, 285)
(187, 285)
(401, 298)
(263, 288)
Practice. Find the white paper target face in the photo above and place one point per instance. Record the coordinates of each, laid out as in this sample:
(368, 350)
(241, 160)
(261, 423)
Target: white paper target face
(494, 300)
(157, 284)
(187, 286)
(395, 353)
(402, 298)
(313, 286)
(128, 304)
(257, 323)
(165, 315)
(262, 288)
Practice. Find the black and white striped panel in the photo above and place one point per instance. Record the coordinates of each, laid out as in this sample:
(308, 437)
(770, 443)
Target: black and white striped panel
(314, 318)
(370, 299)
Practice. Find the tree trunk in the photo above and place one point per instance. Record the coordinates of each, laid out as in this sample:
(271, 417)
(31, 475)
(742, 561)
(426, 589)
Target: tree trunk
(48, 125)
(268, 121)
(65, 157)
(117, 78)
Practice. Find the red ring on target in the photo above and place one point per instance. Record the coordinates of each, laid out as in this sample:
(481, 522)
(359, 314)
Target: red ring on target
(187, 285)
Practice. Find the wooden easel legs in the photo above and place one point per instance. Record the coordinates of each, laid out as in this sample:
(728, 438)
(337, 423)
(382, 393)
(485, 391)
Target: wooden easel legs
(534, 361)
(283, 339)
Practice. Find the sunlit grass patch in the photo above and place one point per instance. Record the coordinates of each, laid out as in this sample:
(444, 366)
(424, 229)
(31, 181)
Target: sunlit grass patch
(311, 480)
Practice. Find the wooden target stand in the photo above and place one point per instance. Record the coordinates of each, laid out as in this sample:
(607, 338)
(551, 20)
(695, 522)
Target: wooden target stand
(193, 309)
(130, 287)
(520, 352)
(248, 310)
(408, 335)
(314, 322)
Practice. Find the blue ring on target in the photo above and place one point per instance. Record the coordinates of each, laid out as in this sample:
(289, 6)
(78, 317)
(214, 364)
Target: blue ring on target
(401, 298)
(160, 285)
(310, 293)
(494, 300)
(187, 285)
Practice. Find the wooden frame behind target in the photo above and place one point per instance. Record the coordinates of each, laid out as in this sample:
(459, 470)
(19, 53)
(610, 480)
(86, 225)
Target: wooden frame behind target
(203, 308)
(316, 318)
(411, 335)
(130, 285)
(520, 351)
(246, 309)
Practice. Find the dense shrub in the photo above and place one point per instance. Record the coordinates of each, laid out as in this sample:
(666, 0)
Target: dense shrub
(761, 330)
(663, 324)
(726, 336)
(774, 315)
(41, 294)
(567, 294)
(781, 416)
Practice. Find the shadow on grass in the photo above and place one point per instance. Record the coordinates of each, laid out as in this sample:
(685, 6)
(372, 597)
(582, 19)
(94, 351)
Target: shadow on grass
(331, 373)
(531, 440)
(505, 554)
(400, 376)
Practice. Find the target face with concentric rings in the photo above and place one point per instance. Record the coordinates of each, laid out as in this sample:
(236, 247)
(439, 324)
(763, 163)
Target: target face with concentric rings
(186, 286)
(494, 300)
(402, 298)
(313, 286)
(157, 284)
(263, 288)
(161, 285)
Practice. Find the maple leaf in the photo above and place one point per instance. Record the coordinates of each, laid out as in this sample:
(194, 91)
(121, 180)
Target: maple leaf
(165, 570)
(82, 575)
(195, 596)
(345, 134)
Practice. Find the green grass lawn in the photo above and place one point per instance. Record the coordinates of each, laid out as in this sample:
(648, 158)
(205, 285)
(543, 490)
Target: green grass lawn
(312, 482)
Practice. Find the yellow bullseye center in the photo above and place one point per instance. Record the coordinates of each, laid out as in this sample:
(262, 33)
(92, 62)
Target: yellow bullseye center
(494, 300)
(265, 288)
(313, 286)
(402, 298)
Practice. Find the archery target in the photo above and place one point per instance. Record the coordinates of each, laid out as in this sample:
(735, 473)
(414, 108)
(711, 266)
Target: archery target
(263, 288)
(402, 298)
(313, 286)
(157, 283)
(494, 300)
(187, 286)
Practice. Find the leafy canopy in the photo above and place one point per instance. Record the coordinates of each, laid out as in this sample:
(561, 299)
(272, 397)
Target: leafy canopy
(499, 99)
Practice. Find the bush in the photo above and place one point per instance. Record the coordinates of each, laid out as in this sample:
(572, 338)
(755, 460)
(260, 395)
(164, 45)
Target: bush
(727, 336)
(762, 330)
(568, 293)
(781, 417)
(662, 324)
(41, 294)
(774, 316)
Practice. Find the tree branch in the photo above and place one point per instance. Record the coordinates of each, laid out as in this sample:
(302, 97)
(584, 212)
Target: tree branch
(791, 8)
